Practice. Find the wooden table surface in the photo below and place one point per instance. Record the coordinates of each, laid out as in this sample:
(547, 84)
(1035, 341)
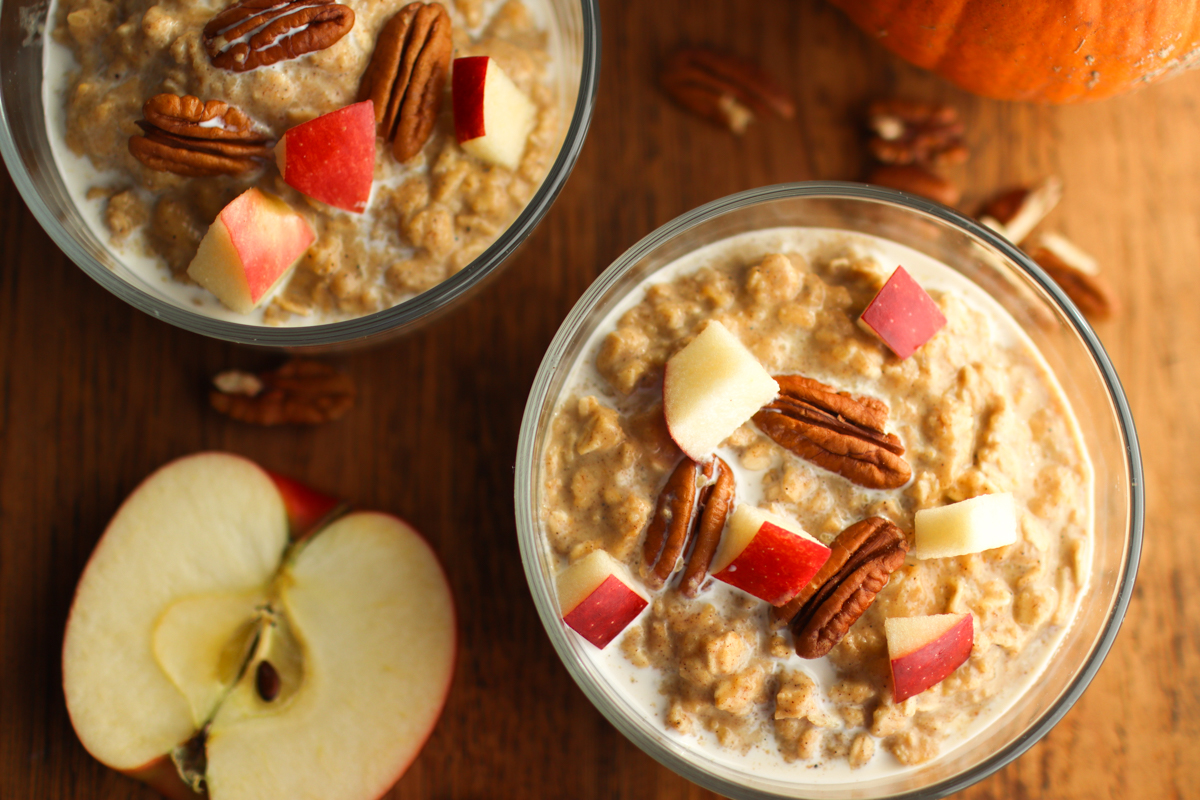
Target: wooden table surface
(94, 395)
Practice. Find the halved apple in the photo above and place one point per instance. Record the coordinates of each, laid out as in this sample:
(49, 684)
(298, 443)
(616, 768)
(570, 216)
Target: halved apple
(597, 598)
(767, 555)
(251, 246)
(710, 388)
(969, 526)
(925, 650)
(332, 158)
(902, 314)
(492, 117)
(208, 650)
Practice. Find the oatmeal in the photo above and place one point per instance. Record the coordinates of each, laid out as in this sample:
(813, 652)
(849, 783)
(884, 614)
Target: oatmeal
(978, 413)
(427, 218)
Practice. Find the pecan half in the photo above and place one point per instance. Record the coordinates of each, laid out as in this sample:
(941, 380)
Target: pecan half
(861, 560)
(695, 500)
(258, 33)
(1076, 274)
(916, 180)
(188, 136)
(298, 393)
(909, 132)
(835, 430)
(407, 75)
(1016, 212)
(724, 88)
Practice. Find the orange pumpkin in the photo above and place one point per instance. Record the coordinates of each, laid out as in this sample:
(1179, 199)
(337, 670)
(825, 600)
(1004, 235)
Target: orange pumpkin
(1049, 51)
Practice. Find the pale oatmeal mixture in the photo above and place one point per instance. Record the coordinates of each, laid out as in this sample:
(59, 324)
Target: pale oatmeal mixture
(977, 412)
(427, 218)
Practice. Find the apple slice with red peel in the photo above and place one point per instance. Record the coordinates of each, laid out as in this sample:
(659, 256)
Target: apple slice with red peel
(925, 650)
(767, 555)
(710, 388)
(201, 634)
(970, 526)
(597, 597)
(251, 247)
(332, 158)
(902, 314)
(492, 117)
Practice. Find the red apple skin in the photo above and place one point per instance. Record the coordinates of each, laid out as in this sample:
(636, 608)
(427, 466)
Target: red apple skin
(903, 314)
(332, 158)
(932, 663)
(469, 76)
(775, 565)
(259, 259)
(605, 612)
(307, 509)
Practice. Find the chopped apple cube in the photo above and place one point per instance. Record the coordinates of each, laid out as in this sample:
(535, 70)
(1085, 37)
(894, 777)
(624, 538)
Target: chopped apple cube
(597, 597)
(492, 117)
(710, 388)
(332, 158)
(970, 526)
(767, 555)
(902, 314)
(251, 247)
(924, 650)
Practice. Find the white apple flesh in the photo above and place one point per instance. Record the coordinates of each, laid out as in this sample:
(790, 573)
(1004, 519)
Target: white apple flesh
(924, 651)
(970, 526)
(710, 388)
(597, 598)
(195, 585)
(492, 117)
(767, 555)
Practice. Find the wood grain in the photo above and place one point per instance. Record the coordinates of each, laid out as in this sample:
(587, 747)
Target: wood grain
(94, 395)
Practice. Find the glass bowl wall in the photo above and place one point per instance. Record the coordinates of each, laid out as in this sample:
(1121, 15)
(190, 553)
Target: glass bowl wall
(1056, 327)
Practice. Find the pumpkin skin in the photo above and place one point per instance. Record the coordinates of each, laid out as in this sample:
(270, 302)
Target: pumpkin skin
(1046, 51)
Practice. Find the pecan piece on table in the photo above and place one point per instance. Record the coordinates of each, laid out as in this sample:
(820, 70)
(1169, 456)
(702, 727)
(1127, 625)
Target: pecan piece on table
(724, 88)
(1016, 212)
(188, 136)
(916, 180)
(258, 33)
(696, 499)
(911, 132)
(835, 430)
(300, 392)
(406, 78)
(1076, 274)
(861, 560)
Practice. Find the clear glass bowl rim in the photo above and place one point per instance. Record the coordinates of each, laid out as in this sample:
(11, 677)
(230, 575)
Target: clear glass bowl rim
(526, 513)
(401, 316)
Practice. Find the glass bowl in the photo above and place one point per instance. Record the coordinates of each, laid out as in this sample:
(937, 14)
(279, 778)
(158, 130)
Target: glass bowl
(1073, 353)
(27, 153)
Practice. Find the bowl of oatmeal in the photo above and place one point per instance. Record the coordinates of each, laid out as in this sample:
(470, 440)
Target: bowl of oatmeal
(1012, 397)
(129, 130)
